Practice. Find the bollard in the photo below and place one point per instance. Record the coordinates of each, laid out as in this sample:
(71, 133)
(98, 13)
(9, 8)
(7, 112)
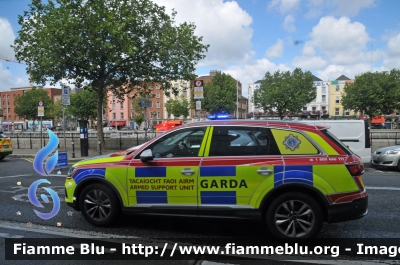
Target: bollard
(100, 148)
(73, 148)
(17, 141)
(30, 140)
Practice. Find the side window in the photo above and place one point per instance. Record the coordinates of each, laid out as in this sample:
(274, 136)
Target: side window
(242, 141)
(293, 143)
(181, 143)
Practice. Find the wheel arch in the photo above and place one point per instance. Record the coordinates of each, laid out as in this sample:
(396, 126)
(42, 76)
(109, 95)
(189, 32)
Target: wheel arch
(295, 187)
(96, 180)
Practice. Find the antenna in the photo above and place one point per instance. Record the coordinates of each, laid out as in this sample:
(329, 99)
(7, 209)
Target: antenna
(371, 51)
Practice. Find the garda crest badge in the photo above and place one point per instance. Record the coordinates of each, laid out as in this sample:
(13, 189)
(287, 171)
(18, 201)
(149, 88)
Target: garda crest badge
(292, 142)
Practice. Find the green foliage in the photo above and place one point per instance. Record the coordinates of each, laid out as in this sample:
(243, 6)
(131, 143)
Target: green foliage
(178, 107)
(26, 106)
(113, 44)
(57, 110)
(83, 105)
(220, 94)
(138, 119)
(285, 91)
(373, 93)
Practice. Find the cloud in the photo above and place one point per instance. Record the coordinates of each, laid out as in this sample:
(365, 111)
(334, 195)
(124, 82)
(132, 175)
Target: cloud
(288, 23)
(249, 73)
(8, 80)
(340, 41)
(333, 71)
(393, 54)
(309, 63)
(7, 38)
(276, 50)
(284, 6)
(351, 7)
(223, 25)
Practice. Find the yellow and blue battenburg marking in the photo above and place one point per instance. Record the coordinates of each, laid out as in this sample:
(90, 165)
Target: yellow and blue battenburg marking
(293, 174)
(216, 171)
(151, 172)
(148, 197)
(217, 197)
(90, 172)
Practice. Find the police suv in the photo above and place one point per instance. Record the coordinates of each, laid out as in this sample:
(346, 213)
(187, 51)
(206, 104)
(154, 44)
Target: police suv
(291, 176)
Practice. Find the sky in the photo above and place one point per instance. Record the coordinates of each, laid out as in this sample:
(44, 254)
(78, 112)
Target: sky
(249, 38)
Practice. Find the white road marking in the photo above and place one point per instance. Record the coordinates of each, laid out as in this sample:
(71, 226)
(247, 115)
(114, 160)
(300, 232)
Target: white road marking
(59, 231)
(16, 176)
(381, 188)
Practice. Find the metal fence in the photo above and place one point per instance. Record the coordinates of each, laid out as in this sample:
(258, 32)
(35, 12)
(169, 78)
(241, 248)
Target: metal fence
(71, 136)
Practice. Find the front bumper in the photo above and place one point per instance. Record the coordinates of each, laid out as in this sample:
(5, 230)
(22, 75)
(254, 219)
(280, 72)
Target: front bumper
(354, 210)
(384, 160)
(6, 153)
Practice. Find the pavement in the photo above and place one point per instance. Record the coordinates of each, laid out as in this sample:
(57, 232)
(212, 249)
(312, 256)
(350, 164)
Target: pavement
(31, 153)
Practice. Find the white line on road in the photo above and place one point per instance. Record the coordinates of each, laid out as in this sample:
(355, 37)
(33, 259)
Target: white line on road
(381, 188)
(16, 176)
(59, 231)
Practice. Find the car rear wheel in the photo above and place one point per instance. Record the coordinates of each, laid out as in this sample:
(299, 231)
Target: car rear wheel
(294, 215)
(398, 165)
(2, 157)
(99, 205)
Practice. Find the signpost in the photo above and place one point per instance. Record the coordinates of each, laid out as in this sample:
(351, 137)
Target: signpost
(66, 101)
(62, 161)
(41, 115)
(198, 89)
(198, 94)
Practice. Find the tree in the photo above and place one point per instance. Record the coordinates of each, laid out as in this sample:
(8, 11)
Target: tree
(373, 93)
(26, 106)
(138, 119)
(178, 107)
(111, 44)
(83, 105)
(285, 91)
(220, 94)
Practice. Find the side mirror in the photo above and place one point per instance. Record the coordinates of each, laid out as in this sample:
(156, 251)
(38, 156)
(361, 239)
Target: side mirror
(146, 156)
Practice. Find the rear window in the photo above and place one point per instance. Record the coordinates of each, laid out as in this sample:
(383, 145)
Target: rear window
(333, 138)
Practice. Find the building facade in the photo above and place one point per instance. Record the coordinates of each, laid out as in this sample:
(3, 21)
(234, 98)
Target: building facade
(320, 105)
(185, 90)
(9, 119)
(336, 87)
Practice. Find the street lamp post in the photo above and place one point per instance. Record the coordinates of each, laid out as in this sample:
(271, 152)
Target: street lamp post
(237, 99)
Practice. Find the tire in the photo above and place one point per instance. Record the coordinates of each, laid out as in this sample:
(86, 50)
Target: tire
(2, 157)
(297, 214)
(99, 205)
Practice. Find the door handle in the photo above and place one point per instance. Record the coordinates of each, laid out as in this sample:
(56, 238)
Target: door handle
(188, 171)
(264, 171)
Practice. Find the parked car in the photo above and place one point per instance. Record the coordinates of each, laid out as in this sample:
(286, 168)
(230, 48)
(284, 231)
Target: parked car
(387, 157)
(291, 176)
(108, 129)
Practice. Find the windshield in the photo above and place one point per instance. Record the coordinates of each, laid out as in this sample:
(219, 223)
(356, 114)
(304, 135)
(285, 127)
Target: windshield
(3, 135)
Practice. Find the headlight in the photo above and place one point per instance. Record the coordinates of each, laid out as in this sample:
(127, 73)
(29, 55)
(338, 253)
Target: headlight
(391, 152)
(71, 172)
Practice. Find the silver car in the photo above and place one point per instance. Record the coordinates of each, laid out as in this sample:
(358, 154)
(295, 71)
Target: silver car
(387, 157)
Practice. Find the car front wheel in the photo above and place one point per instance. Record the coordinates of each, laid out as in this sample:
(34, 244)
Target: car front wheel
(294, 215)
(99, 205)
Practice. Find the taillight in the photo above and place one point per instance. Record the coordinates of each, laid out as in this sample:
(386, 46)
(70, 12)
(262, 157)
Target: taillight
(356, 171)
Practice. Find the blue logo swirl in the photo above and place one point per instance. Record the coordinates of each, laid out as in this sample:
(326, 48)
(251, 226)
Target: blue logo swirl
(43, 153)
(32, 198)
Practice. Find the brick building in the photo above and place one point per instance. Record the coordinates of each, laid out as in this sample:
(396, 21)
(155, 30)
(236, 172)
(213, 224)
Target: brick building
(9, 119)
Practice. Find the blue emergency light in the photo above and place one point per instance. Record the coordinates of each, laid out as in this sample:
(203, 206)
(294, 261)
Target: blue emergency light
(220, 117)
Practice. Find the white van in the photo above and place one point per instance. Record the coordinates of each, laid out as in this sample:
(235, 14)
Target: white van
(353, 133)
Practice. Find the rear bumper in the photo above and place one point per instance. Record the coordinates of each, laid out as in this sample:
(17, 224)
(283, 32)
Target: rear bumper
(354, 210)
